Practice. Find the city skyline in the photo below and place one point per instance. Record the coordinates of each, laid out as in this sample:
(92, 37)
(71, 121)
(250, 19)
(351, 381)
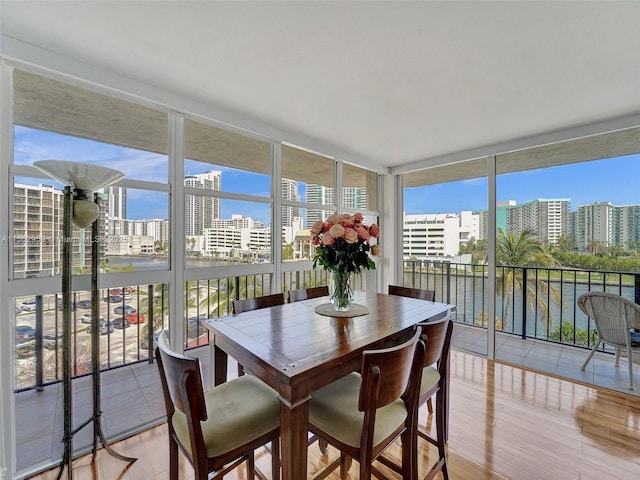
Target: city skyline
(581, 183)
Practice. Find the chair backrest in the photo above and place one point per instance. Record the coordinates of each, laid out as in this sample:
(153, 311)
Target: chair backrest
(420, 293)
(307, 293)
(612, 314)
(391, 373)
(265, 301)
(437, 337)
(183, 392)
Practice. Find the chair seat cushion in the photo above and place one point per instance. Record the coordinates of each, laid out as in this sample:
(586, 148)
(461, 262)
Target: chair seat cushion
(430, 378)
(334, 409)
(238, 412)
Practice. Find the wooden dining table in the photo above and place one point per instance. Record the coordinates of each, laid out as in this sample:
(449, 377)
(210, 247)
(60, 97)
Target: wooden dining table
(297, 351)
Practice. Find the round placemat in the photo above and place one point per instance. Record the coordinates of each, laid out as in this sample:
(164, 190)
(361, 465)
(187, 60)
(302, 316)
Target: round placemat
(355, 310)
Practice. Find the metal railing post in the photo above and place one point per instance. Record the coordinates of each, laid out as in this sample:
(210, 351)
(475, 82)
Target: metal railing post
(524, 302)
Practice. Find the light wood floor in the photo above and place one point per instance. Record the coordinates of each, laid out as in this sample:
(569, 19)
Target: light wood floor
(506, 423)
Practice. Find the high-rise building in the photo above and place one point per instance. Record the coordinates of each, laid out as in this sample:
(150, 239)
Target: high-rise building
(352, 198)
(289, 192)
(596, 224)
(37, 232)
(547, 218)
(319, 195)
(116, 202)
(201, 211)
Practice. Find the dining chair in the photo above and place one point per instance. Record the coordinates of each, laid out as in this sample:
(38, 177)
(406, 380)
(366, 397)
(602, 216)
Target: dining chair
(615, 319)
(216, 430)
(421, 294)
(307, 293)
(434, 380)
(247, 304)
(362, 414)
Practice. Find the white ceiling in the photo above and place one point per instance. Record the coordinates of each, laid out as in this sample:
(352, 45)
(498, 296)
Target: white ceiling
(393, 83)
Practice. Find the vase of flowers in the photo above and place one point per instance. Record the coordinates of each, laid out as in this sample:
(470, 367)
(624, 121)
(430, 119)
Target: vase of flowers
(343, 246)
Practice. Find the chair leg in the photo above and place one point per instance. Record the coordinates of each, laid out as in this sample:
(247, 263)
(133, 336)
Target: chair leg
(441, 433)
(593, 352)
(173, 459)
(429, 406)
(275, 459)
(630, 361)
(251, 466)
(323, 445)
(345, 465)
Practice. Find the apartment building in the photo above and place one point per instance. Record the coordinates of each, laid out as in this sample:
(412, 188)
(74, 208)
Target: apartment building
(547, 218)
(201, 211)
(438, 234)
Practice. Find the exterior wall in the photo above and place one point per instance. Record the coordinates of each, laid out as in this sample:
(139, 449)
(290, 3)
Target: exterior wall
(547, 218)
(438, 235)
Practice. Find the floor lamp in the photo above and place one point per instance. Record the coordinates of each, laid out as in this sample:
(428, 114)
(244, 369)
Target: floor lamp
(81, 207)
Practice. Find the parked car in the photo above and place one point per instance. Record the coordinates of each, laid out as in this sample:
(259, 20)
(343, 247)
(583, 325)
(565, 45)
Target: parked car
(113, 299)
(126, 310)
(86, 318)
(24, 333)
(120, 293)
(120, 323)
(26, 349)
(59, 304)
(28, 306)
(104, 327)
(135, 317)
(18, 310)
(84, 304)
(52, 340)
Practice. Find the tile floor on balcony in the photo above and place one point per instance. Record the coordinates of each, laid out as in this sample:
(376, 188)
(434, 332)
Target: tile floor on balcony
(131, 396)
(551, 358)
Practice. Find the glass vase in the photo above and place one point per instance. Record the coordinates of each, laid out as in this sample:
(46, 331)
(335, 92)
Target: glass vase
(340, 291)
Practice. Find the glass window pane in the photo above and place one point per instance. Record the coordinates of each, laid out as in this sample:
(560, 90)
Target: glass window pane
(241, 163)
(307, 177)
(241, 235)
(359, 188)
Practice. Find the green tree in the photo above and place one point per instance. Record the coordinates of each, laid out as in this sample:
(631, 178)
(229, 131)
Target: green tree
(218, 301)
(287, 251)
(515, 252)
(477, 249)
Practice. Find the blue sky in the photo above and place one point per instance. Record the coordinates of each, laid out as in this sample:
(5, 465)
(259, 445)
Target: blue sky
(614, 180)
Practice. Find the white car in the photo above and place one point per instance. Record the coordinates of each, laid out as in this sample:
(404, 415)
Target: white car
(28, 306)
(86, 318)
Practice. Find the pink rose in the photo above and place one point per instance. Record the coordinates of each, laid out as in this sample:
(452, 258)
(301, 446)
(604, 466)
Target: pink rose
(333, 219)
(375, 250)
(336, 231)
(315, 241)
(346, 220)
(363, 233)
(350, 235)
(357, 219)
(374, 230)
(328, 239)
(317, 228)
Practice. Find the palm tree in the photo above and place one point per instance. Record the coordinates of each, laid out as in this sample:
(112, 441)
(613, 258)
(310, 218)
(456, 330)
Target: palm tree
(218, 301)
(513, 253)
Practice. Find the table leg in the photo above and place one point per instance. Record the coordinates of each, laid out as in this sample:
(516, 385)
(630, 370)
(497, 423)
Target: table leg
(219, 370)
(294, 419)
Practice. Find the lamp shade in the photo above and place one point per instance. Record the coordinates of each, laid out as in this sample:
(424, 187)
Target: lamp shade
(81, 176)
